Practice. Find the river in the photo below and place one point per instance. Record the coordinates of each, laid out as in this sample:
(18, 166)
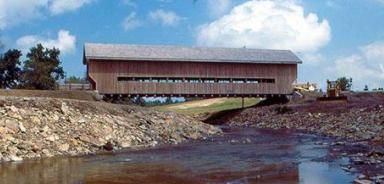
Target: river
(240, 155)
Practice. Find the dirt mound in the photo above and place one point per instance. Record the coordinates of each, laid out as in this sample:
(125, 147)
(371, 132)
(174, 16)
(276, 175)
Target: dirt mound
(45, 127)
(357, 122)
(355, 100)
(77, 95)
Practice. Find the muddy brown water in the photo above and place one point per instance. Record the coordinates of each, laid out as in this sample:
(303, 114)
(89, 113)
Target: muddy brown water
(240, 155)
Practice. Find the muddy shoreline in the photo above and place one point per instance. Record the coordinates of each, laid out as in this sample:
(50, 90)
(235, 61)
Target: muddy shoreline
(239, 155)
(357, 126)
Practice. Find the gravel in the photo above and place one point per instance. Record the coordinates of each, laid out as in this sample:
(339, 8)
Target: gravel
(46, 127)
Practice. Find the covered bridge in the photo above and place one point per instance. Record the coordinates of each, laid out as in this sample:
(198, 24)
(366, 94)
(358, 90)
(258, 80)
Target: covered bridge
(144, 70)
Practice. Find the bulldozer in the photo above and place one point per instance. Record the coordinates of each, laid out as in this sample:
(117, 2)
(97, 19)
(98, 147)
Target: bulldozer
(333, 92)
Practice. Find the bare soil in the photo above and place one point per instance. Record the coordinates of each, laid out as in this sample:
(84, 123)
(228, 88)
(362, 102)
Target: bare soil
(355, 100)
(76, 95)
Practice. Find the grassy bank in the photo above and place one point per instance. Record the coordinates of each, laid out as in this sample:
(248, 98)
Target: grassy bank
(208, 105)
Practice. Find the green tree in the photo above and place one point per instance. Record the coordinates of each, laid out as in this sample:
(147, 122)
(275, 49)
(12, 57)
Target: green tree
(75, 80)
(168, 100)
(42, 68)
(10, 68)
(366, 88)
(345, 83)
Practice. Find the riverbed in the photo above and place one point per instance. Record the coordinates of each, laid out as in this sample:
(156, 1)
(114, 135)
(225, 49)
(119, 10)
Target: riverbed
(240, 155)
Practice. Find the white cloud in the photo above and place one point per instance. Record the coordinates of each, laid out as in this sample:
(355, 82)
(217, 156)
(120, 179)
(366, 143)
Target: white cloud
(333, 4)
(130, 3)
(312, 58)
(165, 1)
(374, 51)
(60, 6)
(218, 7)
(18, 11)
(365, 67)
(65, 42)
(267, 24)
(131, 22)
(13, 12)
(167, 18)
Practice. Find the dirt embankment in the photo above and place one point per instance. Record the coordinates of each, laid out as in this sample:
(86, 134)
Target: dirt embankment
(358, 124)
(76, 95)
(361, 118)
(45, 127)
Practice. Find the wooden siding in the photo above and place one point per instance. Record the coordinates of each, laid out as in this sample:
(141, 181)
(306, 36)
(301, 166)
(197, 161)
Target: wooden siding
(105, 74)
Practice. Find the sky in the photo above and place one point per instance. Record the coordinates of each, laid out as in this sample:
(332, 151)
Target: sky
(334, 38)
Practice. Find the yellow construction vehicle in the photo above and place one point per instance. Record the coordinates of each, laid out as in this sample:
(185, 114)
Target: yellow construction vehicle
(333, 92)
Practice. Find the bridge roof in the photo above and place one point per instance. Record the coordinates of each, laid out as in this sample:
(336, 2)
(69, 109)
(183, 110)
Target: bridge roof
(187, 54)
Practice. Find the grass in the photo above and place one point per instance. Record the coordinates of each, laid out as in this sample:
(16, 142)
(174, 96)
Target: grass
(208, 105)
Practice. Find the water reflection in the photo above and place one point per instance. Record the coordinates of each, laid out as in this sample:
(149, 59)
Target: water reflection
(240, 156)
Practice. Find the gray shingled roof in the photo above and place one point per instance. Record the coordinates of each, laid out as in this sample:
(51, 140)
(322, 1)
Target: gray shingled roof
(187, 54)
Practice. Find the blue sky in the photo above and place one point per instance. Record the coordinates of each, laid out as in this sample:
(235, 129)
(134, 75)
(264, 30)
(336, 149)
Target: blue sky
(333, 37)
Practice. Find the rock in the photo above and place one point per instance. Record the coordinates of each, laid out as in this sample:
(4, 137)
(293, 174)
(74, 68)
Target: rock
(358, 161)
(12, 150)
(2, 131)
(47, 153)
(49, 127)
(12, 125)
(55, 117)
(338, 143)
(13, 109)
(143, 127)
(82, 120)
(359, 181)
(15, 115)
(35, 120)
(247, 140)
(45, 129)
(64, 108)
(15, 158)
(348, 168)
(125, 144)
(108, 146)
(376, 154)
(35, 148)
(154, 143)
(26, 99)
(22, 128)
(64, 147)
(362, 176)
(51, 138)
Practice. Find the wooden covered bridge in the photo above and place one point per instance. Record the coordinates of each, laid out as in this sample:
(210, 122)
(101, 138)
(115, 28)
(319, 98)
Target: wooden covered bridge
(143, 70)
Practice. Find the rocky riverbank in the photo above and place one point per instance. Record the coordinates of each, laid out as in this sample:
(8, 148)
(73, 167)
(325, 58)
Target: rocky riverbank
(46, 127)
(357, 125)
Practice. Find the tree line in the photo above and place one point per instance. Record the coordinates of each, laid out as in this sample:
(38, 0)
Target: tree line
(40, 70)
